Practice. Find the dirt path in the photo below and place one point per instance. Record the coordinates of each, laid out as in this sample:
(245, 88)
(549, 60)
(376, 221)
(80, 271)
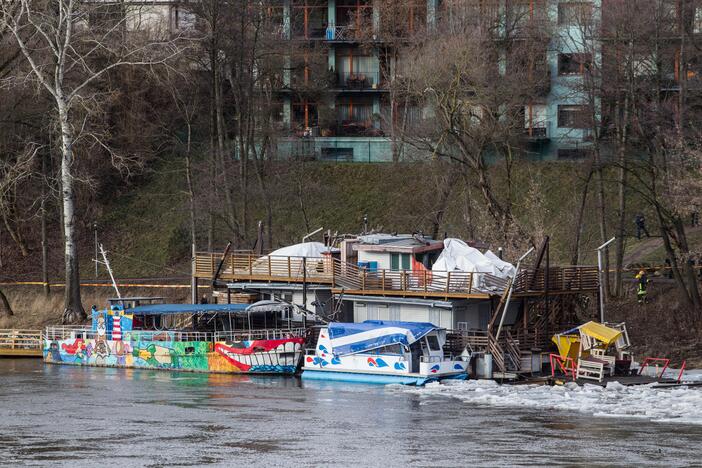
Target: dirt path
(637, 251)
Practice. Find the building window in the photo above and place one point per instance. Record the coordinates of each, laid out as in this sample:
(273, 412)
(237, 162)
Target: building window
(574, 13)
(304, 114)
(573, 64)
(572, 116)
(399, 261)
(697, 23)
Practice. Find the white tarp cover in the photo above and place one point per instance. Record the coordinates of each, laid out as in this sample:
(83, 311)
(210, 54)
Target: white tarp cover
(459, 256)
(289, 260)
(306, 249)
(505, 269)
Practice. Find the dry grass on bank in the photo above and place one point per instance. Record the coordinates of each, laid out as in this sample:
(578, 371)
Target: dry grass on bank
(33, 310)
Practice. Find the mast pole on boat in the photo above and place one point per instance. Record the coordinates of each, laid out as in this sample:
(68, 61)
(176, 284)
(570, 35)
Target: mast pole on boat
(109, 270)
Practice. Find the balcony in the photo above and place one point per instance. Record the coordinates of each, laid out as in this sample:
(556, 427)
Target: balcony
(536, 134)
(358, 80)
(357, 128)
(343, 33)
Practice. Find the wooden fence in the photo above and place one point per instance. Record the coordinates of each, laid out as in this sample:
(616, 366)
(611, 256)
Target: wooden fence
(27, 343)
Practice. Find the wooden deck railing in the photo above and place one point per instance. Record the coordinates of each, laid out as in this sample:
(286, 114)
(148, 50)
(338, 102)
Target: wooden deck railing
(416, 282)
(555, 279)
(246, 266)
(250, 267)
(21, 343)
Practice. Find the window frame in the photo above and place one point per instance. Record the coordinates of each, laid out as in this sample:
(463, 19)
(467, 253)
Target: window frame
(579, 121)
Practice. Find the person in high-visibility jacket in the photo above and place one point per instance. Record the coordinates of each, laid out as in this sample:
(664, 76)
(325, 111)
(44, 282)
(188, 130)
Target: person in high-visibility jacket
(642, 286)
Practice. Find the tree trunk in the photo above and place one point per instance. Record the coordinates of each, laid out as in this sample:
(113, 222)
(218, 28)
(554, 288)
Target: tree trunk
(619, 243)
(688, 268)
(73, 307)
(5, 309)
(575, 257)
(191, 190)
(444, 195)
(44, 245)
(602, 218)
(14, 233)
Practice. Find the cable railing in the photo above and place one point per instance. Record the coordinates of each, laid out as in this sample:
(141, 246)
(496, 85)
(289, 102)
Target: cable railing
(268, 334)
(86, 333)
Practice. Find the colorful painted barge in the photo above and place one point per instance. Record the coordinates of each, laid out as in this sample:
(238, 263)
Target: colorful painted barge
(384, 352)
(226, 338)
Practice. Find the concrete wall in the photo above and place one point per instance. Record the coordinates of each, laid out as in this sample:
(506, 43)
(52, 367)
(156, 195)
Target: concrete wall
(475, 314)
(341, 149)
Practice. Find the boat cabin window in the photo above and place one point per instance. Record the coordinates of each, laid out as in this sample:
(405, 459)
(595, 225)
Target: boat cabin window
(433, 342)
(390, 349)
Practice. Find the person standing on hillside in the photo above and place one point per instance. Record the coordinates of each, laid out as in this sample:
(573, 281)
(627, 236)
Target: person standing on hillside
(640, 222)
(695, 216)
(642, 289)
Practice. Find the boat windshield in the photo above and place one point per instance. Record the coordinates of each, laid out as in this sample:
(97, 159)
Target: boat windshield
(433, 342)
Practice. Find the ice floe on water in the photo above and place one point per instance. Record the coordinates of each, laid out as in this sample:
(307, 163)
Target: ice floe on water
(671, 405)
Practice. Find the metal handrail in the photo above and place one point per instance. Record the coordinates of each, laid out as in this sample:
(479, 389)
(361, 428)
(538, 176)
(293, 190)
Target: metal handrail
(267, 334)
(63, 333)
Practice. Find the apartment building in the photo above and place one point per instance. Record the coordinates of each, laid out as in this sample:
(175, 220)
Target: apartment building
(335, 96)
(336, 102)
(351, 119)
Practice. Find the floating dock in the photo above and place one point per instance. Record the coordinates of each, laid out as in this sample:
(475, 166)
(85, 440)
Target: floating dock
(21, 343)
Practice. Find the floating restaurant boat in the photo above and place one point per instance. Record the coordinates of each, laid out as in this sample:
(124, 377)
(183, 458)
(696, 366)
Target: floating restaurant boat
(383, 352)
(224, 338)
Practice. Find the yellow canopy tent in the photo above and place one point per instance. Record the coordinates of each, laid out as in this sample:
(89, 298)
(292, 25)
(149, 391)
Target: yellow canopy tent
(602, 333)
(569, 343)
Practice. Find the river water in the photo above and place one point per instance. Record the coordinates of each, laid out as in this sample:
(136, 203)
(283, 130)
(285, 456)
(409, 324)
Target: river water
(72, 416)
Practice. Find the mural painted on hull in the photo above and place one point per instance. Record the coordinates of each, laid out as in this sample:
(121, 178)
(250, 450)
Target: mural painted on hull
(258, 356)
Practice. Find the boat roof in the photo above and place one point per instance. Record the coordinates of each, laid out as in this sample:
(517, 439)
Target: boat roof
(352, 338)
(165, 309)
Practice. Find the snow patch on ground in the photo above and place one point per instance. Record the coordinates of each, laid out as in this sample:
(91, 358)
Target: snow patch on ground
(673, 405)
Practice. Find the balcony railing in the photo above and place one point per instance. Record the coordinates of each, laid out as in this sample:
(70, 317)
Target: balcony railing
(248, 267)
(576, 278)
(350, 32)
(358, 80)
(86, 333)
(357, 128)
(350, 277)
(536, 133)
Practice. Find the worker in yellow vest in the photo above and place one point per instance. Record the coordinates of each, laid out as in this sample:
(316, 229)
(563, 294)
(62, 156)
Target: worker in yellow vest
(641, 290)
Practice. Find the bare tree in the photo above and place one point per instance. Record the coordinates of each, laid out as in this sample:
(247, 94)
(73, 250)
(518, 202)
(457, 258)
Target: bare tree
(474, 79)
(70, 45)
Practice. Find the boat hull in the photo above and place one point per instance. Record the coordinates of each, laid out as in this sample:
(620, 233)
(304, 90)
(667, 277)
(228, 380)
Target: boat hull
(375, 378)
(239, 357)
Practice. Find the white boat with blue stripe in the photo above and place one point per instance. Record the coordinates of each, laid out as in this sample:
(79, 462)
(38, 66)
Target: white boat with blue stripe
(383, 352)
